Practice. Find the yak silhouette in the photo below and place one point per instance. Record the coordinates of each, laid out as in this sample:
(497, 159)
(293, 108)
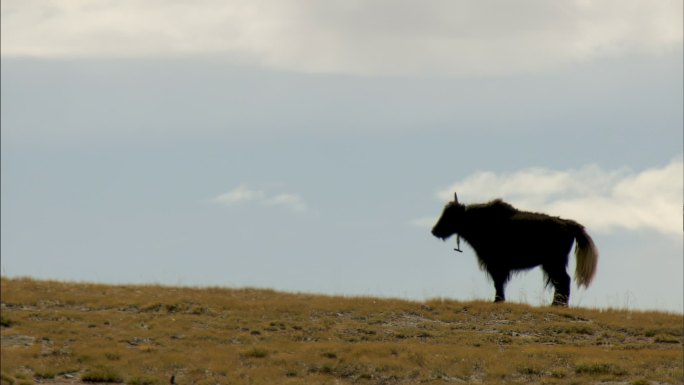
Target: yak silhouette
(507, 240)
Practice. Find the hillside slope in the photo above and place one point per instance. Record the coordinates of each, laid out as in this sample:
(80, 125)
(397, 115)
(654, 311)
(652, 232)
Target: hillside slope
(73, 332)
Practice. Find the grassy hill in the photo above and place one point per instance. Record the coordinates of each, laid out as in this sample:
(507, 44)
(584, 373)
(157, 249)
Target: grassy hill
(54, 332)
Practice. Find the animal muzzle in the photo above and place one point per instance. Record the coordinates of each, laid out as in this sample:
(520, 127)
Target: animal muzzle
(439, 234)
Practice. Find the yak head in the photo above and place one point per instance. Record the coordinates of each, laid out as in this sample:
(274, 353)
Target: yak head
(449, 223)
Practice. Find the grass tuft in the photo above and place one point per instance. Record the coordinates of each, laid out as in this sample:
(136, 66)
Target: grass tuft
(6, 322)
(144, 381)
(599, 368)
(666, 339)
(255, 353)
(102, 374)
(6, 379)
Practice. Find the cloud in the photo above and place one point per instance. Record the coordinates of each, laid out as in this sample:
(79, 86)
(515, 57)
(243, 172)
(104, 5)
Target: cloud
(239, 195)
(602, 200)
(244, 195)
(292, 201)
(354, 37)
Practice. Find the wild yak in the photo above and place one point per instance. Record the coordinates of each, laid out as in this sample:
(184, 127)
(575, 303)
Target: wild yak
(506, 240)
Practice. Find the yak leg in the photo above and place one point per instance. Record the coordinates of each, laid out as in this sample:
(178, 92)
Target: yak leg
(500, 296)
(561, 283)
(500, 279)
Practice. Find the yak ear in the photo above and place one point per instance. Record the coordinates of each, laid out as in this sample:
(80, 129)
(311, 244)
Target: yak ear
(455, 197)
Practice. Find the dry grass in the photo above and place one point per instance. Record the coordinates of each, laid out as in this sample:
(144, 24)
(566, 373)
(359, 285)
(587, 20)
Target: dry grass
(141, 335)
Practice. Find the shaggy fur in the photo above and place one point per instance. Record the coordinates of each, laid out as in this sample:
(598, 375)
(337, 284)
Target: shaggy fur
(506, 240)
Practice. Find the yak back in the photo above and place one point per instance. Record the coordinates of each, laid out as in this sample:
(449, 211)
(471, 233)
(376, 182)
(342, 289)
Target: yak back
(496, 224)
(494, 210)
(499, 211)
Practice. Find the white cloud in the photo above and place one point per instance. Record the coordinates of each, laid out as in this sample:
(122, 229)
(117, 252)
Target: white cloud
(244, 195)
(601, 200)
(239, 195)
(355, 36)
(292, 201)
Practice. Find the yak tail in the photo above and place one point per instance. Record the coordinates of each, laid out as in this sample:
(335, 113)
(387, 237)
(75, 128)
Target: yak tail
(586, 256)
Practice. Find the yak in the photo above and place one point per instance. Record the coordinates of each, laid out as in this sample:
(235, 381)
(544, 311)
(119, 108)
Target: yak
(508, 240)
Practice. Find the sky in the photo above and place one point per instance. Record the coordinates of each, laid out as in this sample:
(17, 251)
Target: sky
(309, 146)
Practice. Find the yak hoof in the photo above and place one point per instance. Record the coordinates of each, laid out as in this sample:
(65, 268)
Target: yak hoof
(560, 300)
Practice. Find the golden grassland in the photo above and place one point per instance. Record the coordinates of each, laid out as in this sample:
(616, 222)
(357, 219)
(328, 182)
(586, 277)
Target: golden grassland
(57, 332)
